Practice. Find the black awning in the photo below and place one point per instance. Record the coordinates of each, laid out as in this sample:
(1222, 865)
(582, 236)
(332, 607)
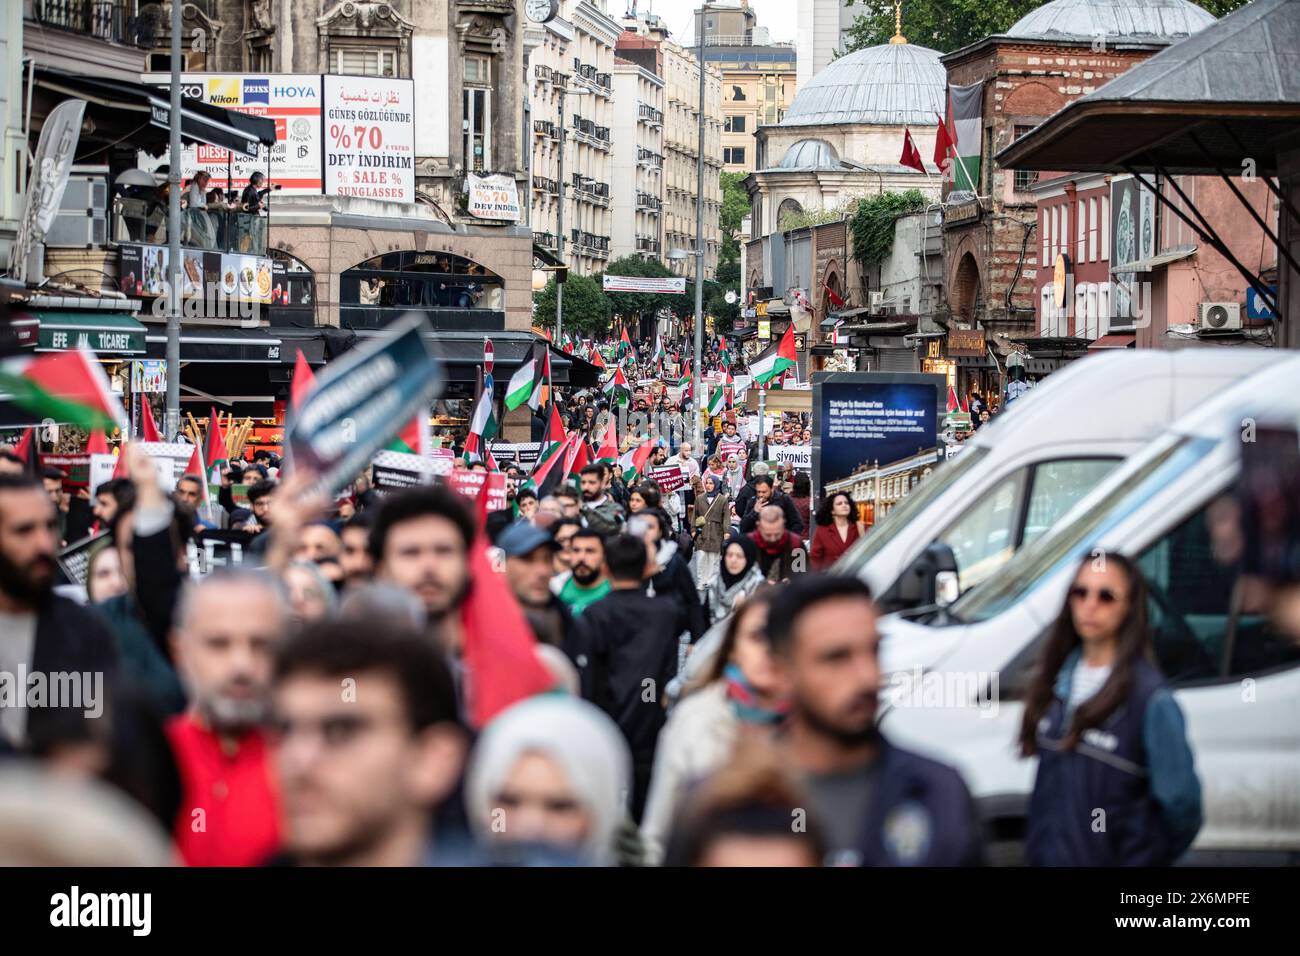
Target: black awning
(462, 353)
(546, 256)
(221, 345)
(311, 342)
(120, 107)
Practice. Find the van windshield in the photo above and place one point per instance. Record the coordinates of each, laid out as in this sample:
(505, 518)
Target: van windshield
(1117, 499)
(917, 501)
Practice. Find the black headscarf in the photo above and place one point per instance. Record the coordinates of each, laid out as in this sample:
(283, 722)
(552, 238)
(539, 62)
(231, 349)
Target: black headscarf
(751, 558)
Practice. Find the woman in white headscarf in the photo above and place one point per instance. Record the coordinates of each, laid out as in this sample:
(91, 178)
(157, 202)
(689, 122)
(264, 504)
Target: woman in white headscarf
(554, 771)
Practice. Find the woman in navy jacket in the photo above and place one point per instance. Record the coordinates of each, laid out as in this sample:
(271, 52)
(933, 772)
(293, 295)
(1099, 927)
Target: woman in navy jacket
(1116, 782)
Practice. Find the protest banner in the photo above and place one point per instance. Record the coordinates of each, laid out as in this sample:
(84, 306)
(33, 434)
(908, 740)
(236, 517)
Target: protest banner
(524, 453)
(798, 455)
(76, 469)
(395, 470)
(669, 479)
(101, 470)
(74, 560)
(442, 460)
(171, 459)
(468, 483)
(355, 406)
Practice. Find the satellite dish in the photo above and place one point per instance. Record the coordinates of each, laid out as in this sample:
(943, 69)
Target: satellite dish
(731, 297)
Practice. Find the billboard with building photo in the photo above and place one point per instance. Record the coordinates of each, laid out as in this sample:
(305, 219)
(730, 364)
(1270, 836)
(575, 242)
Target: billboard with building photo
(874, 434)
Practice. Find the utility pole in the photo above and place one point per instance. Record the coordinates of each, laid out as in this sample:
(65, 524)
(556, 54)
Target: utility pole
(172, 422)
(698, 384)
(559, 226)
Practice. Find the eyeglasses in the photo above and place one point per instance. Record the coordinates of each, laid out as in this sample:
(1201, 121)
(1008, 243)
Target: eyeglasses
(1104, 595)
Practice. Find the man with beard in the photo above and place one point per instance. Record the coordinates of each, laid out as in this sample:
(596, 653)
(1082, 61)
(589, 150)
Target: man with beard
(879, 805)
(587, 581)
(601, 512)
(530, 563)
(42, 633)
(227, 629)
(355, 556)
(420, 541)
(765, 494)
(361, 773)
(779, 550)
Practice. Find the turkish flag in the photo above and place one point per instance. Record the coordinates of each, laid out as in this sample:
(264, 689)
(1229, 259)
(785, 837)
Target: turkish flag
(943, 143)
(836, 301)
(911, 155)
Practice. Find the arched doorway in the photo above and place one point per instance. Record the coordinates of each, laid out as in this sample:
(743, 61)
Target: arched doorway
(456, 293)
(788, 207)
(966, 288)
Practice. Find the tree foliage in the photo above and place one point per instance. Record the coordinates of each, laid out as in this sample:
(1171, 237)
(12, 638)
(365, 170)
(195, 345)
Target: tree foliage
(735, 207)
(947, 25)
(872, 223)
(586, 307)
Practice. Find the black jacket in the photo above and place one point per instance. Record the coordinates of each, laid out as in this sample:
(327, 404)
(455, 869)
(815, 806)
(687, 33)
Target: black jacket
(749, 521)
(70, 639)
(619, 643)
(675, 581)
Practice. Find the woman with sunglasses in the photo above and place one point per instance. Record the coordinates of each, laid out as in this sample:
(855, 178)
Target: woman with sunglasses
(1116, 783)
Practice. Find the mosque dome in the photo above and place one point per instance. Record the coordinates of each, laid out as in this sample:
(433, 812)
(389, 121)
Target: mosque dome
(893, 84)
(1150, 20)
(810, 154)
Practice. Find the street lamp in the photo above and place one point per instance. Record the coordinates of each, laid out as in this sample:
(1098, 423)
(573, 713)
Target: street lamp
(564, 91)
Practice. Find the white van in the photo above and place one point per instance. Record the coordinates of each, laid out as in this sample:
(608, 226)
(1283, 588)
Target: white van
(1237, 681)
(1019, 475)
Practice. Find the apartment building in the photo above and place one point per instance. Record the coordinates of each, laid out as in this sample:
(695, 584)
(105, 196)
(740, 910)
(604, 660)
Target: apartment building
(638, 165)
(646, 41)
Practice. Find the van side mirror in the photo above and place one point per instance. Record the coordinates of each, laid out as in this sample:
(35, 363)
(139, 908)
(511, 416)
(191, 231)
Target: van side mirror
(929, 581)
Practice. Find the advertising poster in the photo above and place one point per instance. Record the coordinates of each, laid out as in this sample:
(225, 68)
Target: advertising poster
(171, 458)
(369, 137)
(356, 404)
(149, 375)
(293, 101)
(866, 423)
(213, 276)
(492, 197)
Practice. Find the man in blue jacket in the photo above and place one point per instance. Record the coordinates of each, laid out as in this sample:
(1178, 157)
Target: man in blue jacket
(878, 805)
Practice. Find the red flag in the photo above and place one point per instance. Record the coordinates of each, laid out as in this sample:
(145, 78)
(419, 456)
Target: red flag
(836, 301)
(27, 450)
(953, 403)
(595, 359)
(608, 450)
(119, 469)
(302, 379)
(554, 427)
(498, 650)
(195, 470)
(911, 155)
(215, 453)
(97, 444)
(943, 143)
(148, 427)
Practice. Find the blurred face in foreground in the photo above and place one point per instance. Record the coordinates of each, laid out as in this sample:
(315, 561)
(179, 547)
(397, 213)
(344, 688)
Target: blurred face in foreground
(29, 538)
(357, 782)
(539, 806)
(745, 849)
(830, 669)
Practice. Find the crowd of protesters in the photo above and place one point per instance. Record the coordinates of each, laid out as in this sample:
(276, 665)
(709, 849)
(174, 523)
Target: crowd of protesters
(711, 692)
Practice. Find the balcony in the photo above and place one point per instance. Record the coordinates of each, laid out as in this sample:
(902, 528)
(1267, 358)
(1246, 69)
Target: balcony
(647, 244)
(547, 240)
(215, 228)
(648, 114)
(590, 243)
(647, 202)
(545, 128)
(543, 185)
(543, 72)
(111, 20)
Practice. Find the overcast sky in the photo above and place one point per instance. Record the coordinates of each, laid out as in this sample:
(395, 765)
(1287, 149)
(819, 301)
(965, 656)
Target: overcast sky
(779, 16)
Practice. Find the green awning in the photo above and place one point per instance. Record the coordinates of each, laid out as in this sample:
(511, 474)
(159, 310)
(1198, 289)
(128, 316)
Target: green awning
(103, 333)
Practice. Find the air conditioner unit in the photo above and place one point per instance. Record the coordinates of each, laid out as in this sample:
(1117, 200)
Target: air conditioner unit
(875, 300)
(1217, 316)
(82, 219)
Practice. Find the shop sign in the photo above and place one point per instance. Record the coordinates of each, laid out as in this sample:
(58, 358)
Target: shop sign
(969, 342)
(493, 197)
(369, 134)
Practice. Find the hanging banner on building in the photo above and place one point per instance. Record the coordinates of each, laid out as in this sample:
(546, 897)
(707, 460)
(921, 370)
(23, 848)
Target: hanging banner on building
(866, 422)
(355, 406)
(668, 285)
(369, 136)
(492, 197)
(293, 101)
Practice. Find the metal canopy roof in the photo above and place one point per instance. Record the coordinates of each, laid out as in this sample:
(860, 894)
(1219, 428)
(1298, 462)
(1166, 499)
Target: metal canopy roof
(1232, 91)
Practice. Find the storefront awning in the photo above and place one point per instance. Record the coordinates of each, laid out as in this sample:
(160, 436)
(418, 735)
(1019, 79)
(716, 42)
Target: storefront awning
(104, 333)
(1152, 263)
(462, 353)
(143, 112)
(220, 344)
(1118, 340)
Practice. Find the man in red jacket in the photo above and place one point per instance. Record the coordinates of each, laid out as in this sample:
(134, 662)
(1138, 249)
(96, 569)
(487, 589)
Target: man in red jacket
(780, 552)
(227, 629)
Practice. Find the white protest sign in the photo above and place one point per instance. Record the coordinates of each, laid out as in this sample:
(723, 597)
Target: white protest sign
(172, 458)
(800, 456)
(101, 470)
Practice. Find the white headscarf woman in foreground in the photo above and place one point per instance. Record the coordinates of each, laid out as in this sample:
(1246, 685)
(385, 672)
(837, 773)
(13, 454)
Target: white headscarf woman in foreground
(551, 770)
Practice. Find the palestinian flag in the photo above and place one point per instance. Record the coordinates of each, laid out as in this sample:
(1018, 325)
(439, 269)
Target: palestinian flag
(482, 427)
(771, 365)
(413, 438)
(97, 444)
(608, 450)
(195, 470)
(531, 383)
(148, 427)
(634, 460)
(624, 346)
(66, 387)
(215, 453)
(302, 381)
(724, 355)
(658, 355)
(27, 450)
(718, 401)
(595, 359)
(546, 477)
(619, 392)
(578, 458)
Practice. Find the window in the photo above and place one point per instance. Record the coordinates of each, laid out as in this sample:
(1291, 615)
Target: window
(733, 155)
(359, 60)
(1045, 228)
(1057, 487)
(1025, 178)
(1092, 229)
(737, 94)
(1105, 228)
(478, 112)
(1196, 632)
(734, 124)
(1081, 246)
(259, 57)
